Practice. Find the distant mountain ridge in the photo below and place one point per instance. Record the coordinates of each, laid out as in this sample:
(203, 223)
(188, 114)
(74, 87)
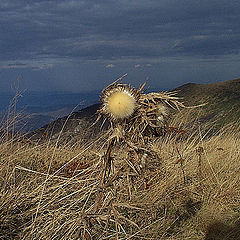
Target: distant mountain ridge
(75, 124)
(40, 108)
(230, 89)
(222, 98)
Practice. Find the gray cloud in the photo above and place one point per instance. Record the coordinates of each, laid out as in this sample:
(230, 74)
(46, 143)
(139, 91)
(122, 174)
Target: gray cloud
(92, 42)
(112, 29)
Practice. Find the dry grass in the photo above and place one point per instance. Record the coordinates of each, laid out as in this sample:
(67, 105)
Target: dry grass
(187, 187)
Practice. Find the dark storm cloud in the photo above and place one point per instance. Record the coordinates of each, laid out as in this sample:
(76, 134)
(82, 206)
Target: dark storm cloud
(114, 29)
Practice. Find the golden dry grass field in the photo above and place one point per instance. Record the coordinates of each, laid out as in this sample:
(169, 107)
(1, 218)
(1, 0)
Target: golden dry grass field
(185, 186)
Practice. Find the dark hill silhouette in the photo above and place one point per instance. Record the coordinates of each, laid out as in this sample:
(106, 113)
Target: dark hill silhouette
(222, 98)
(77, 123)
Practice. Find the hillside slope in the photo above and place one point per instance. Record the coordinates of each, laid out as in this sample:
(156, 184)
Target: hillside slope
(222, 98)
(69, 127)
(170, 188)
(222, 107)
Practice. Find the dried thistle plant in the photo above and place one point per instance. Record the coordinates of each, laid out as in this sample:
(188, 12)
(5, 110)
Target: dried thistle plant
(134, 116)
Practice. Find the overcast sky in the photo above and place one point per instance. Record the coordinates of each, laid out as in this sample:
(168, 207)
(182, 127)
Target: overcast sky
(83, 45)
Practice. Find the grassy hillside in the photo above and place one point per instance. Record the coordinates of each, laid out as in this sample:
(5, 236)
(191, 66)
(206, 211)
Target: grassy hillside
(181, 185)
(222, 98)
(187, 187)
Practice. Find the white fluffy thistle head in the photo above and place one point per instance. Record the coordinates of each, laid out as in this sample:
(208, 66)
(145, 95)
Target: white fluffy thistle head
(121, 105)
(119, 101)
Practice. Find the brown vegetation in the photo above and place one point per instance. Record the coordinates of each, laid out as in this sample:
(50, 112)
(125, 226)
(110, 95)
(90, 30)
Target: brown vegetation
(186, 186)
